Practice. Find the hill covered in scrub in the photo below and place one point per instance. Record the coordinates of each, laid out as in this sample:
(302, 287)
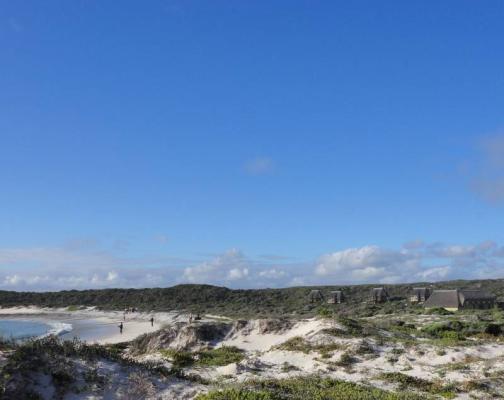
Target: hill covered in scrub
(234, 302)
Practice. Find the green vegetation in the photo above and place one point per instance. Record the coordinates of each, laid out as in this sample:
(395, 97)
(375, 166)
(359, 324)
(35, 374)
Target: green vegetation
(179, 358)
(303, 389)
(286, 367)
(346, 360)
(438, 311)
(56, 359)
(239, 303)
(221, 356)
(297, 343)
(205, 358)
(410, 382)
(455, 332)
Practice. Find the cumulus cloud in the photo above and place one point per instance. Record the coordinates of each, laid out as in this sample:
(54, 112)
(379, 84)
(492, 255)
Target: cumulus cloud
(272, 273)
(229, 266)
(435, 261)
(434, 274)
(87, 265)
(367, 264)
(80, 265)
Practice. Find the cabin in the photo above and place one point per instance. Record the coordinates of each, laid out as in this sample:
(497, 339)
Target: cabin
(420, 295)
(335, 297)
(457, 299)
(476, 299)
(315, 296)
(379, 295)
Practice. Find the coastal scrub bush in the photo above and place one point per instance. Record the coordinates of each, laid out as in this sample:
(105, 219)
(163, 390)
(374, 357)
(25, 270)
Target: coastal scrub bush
(325, 312)
(222, 356)
(352, 326)
(179, 358)
(139, 387)
(298, 343)
(407, 382)
(438, 311)
(206, 358)
(346, 360)
(287, 367)
(312, 387)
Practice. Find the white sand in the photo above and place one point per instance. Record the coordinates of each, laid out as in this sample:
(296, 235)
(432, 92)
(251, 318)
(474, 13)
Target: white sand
(97, 326)
(254, 341)
(423, 360)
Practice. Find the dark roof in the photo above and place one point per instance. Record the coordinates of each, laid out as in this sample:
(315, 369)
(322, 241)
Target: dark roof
(316, 294)
(475, 295)
(443, 298)
(420, 289)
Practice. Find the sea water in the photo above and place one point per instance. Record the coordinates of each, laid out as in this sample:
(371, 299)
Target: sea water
(25, 329)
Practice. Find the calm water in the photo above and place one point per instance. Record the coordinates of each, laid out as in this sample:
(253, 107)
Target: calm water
(24, 329)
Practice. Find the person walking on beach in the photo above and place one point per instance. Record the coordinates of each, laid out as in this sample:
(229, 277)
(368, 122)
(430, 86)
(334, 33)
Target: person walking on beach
(152, 321)
(121, 327)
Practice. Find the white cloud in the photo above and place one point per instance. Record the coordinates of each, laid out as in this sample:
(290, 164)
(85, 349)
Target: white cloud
(229, 266)
(433, 274)
(367, 264)
(89, 266)
(272, 273)
(237, 273)
(412, 263)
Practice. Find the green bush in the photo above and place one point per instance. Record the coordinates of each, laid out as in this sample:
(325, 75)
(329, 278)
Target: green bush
(221, 356)
(409, 382)
(205, 358)
(305, 389)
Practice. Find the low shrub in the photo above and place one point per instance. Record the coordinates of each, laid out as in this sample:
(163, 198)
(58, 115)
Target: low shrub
(304, 389)
(407, 382)
(205, 358)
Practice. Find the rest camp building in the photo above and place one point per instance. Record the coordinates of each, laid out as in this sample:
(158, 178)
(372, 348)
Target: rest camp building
(457, 299)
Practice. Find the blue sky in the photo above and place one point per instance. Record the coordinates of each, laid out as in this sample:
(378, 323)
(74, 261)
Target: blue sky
(250, 143)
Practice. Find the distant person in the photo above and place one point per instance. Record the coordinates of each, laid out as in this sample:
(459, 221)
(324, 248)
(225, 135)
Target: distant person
(190, 318)
(152, 321)
(121, 326)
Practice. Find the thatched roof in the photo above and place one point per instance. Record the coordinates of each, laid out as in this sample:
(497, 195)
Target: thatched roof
(443, 299)
(421, 290)
(478, 295)
(379, 291)
(456, 298)
(316, 295)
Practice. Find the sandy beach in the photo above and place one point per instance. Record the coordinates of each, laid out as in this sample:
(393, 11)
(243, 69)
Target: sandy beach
(95, 326)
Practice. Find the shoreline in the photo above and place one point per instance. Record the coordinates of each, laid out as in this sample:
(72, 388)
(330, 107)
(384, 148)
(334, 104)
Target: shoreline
(91, 325)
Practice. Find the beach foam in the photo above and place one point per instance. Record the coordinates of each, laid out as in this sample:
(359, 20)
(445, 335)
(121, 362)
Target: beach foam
(58, 328)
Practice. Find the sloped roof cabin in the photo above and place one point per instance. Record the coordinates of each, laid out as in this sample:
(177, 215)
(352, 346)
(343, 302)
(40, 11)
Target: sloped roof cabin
(315, 296)
(379, 295)
(420, 295)
(335, 297)
(456, 299)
